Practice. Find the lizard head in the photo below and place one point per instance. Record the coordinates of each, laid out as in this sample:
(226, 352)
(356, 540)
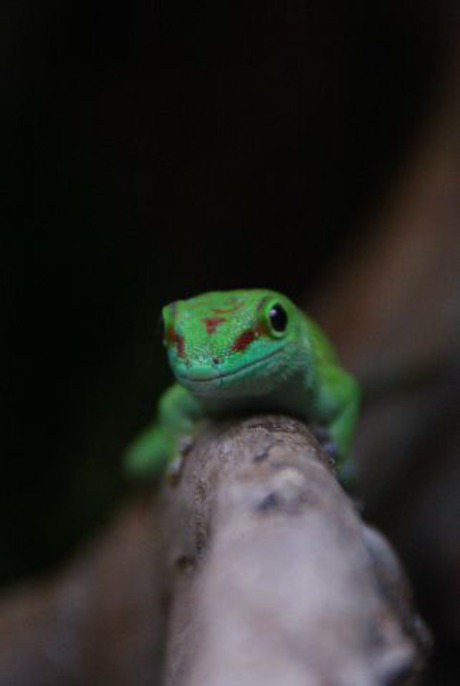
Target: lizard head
(229, 342)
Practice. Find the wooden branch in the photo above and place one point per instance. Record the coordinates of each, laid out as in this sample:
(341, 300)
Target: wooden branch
(251, 565)
(277, 580)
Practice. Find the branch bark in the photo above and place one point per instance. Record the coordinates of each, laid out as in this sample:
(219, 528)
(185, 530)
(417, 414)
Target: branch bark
(277, 580)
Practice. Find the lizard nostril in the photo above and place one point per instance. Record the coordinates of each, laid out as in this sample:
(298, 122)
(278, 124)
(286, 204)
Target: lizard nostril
(216, 360)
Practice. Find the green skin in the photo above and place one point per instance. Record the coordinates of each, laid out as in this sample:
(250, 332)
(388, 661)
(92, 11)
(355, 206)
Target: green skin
(247, 351)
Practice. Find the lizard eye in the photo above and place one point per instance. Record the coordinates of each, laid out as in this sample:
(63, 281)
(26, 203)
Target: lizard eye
(278, 318)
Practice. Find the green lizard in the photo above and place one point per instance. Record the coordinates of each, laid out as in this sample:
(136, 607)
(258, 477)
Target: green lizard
(246, 350)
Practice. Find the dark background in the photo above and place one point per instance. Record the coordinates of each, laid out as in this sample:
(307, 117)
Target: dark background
(153, 150)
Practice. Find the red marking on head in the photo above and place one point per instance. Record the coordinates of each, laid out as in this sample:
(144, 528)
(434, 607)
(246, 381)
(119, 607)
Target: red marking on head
(176, 339)
(243, 340)
(212, 324)
(180, 345)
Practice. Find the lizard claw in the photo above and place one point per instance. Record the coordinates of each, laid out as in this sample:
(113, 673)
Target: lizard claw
(185, 444)
(328, 445)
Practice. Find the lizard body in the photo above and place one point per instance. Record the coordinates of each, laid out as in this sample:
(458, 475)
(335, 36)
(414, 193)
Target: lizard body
(246, 350)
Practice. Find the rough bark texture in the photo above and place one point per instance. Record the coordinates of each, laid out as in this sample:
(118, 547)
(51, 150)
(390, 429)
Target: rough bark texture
(263, 573)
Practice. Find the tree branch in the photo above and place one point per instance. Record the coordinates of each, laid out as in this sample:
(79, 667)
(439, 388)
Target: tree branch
(277, 580)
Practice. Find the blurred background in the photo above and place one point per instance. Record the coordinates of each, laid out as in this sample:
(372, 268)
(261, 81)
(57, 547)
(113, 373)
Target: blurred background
(154, 150)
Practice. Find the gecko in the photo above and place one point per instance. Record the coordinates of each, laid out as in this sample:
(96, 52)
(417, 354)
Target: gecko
(247, 351)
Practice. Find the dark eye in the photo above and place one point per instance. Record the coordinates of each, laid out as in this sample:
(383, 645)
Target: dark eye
(278, 318)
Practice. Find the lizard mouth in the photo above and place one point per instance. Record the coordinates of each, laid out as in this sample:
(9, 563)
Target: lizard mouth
(231, 373)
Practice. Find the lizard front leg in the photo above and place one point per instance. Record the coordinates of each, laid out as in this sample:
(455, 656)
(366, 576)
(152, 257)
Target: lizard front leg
(335, 407)
(152, 451)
